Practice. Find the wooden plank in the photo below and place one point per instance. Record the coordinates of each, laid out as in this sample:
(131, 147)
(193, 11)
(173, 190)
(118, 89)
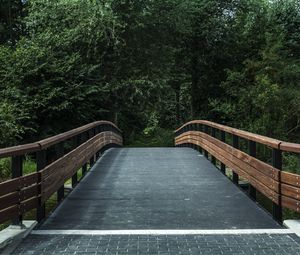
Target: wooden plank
(261, 166)
(290, 203)
(28, 205)
(53, 182)
(50, 190)
(59, 178)
(29, 192)
(16, 197)
(17, 183)
(267, 181)
(9, 186)
(77, 158)
(63, 161)
(10, 191)
(255, 182)
(290, 178)
(28, 180)
(9, 213)
(9, 200)
(290, 191)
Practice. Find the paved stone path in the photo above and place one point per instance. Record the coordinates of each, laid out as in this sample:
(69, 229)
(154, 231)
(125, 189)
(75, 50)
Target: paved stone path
(164, 245)
(157, 188)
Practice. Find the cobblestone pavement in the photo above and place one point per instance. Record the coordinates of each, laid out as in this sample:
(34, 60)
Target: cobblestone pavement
(169, 245)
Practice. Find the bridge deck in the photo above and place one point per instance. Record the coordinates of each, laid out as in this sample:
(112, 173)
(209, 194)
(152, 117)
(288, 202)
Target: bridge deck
(162, 189)
(159, 188)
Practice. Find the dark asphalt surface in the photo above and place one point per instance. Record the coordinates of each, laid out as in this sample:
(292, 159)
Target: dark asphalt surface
(157, 188)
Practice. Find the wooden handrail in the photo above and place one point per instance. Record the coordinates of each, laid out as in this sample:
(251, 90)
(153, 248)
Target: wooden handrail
(45, 143)
(19, 150)
(69, 134)
(290, 147)
(268, 141)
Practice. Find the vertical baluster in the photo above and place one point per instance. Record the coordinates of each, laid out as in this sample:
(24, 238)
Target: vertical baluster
(252, 152)
(82, 139)
(183, 131)
(75, 143)
(277, 163)
(223, 139)
(193, 146)
(97, 131)
(60, 152)
(41, 162)
(206, 131)
(235, 176)
(199, 129)
(213, 134)
(17, 171)
(74, 180)
(92, 159)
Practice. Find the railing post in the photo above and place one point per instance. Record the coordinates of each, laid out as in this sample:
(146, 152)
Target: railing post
(100, 131)
(223, 139)
(193, 128)
(76, 142)
(200, 129)
(60, 153)
(92, 159)
(187, 129)
(82, 139)
(213, 134)
(277, 163)
(252, 152)
(206, 131)
(235, 176)
(17, 171)
(41, 162)
(97, 131)
(74, 180)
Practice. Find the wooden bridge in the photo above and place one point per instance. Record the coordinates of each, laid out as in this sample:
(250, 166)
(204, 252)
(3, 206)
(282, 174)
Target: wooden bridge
(153, 200)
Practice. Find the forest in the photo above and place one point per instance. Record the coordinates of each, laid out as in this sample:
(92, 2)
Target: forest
(148, 66)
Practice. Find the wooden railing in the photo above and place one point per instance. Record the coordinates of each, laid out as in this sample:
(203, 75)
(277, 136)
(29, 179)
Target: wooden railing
(57, 159)
(223, 143)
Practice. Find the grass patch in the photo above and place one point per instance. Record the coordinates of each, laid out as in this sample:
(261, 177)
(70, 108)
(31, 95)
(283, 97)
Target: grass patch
(29, 166)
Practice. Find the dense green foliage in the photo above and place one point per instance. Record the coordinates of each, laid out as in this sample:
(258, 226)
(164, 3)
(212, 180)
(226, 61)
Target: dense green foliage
(149, 66)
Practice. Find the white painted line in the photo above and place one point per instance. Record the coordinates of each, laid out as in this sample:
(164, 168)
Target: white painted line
(163, 232)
